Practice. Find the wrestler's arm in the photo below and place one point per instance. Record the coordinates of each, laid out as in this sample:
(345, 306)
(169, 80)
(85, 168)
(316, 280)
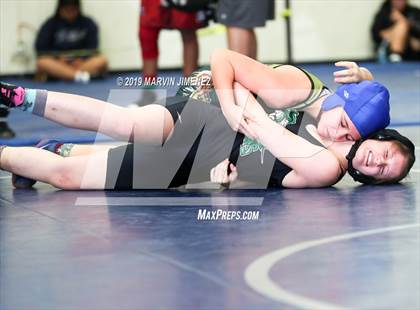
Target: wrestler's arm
(313, 166)
(280, 88)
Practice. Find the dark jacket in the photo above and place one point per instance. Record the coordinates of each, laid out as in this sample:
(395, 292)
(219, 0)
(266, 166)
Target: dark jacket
(383, 21)
(58, 35)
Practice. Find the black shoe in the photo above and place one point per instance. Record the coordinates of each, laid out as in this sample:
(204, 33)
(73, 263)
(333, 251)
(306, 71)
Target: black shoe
(5, 131)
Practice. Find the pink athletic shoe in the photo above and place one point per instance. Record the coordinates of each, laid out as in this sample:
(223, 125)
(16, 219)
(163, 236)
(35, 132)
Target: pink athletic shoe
(11, 95)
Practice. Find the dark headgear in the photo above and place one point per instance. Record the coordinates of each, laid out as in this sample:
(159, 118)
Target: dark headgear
(382, 135)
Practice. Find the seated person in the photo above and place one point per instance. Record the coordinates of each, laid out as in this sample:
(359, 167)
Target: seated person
(396, 30)
(67, 45)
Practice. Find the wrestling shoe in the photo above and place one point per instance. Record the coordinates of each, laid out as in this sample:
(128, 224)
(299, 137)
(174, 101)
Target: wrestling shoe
(45, 144)
(11, 95)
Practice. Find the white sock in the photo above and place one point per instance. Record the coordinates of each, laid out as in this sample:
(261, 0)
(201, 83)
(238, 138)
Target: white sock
(82, 77)
(393, 57)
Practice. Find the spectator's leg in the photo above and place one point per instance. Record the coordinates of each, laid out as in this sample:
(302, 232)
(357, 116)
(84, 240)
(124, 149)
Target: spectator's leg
(414, 44)
(150, 68)
(95, 65)
(190, 51)
(56, 68)
(397, 36)
(148, 37)
(243, 41)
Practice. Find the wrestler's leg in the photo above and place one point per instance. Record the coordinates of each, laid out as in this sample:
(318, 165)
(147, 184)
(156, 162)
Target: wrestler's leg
(79, 172)
(64, 150)
(414, 44)
(149, 124)
(70, 150)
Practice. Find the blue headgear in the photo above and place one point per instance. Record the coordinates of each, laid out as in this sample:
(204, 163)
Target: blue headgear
(366, 103)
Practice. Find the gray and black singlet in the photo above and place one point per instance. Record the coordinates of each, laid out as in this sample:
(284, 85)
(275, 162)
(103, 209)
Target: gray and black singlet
(202, 138)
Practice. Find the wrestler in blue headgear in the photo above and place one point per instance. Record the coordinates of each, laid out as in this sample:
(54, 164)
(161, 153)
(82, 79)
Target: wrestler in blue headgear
(366, 104)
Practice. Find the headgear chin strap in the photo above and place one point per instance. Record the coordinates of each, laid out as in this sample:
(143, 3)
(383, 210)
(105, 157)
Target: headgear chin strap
(382, 135)
(356, 174)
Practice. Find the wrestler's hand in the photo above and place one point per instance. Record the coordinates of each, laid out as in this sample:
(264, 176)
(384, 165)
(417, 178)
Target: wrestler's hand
(257, 121)
(234, 116)
(352, 74)
(253, 115)
(219, 174)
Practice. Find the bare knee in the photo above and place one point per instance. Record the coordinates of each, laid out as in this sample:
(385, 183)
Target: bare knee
(95, 65)
(125, 125)
(42, 63)
(403, 25)
(398, 31)
(65, 177)
(101, 61)
(415, 44)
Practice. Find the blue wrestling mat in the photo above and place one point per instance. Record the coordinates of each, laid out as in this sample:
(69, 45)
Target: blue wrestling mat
(343, 247)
